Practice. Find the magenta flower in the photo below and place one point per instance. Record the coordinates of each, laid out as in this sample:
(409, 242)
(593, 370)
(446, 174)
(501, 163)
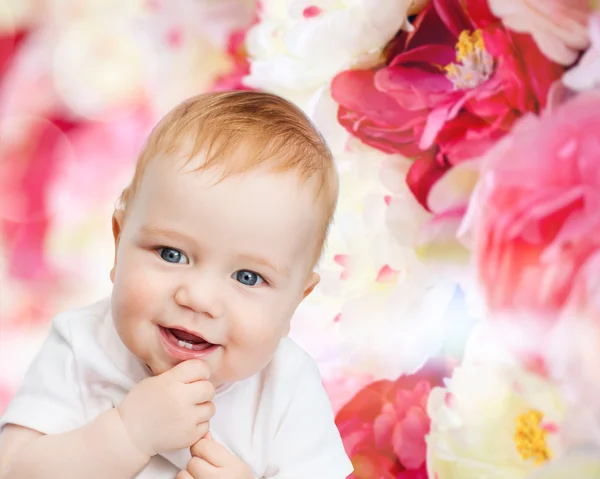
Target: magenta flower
(447, 91)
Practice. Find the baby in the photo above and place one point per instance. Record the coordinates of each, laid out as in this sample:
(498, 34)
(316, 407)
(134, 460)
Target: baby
(187, 370)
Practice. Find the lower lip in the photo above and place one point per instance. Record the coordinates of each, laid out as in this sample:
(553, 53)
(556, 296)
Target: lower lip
(169, 342)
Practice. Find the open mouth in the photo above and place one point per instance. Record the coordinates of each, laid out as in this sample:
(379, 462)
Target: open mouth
(185, 345)
(188, 340)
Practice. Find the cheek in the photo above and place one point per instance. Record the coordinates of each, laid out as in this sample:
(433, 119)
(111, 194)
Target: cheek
(135, 287)
(134, 306)
(256, 325)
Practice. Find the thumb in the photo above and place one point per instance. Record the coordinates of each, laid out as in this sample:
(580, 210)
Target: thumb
(190, 371)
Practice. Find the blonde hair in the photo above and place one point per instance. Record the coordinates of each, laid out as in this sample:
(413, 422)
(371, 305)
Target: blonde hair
(272, 131)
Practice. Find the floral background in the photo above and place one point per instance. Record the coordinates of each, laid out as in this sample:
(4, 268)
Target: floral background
(456, 325)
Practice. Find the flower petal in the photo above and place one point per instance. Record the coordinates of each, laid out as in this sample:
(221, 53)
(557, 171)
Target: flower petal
(422, 175)
(454, 189)
(409, 438)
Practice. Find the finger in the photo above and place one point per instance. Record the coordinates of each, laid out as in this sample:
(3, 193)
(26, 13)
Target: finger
(200, 391)
(203, 412)
(196, 448)
(184, 475)
(213, 452)
(200, 468)
(190, 371)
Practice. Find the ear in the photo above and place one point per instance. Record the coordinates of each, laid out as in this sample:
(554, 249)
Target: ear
(117, 228)
(311, 283)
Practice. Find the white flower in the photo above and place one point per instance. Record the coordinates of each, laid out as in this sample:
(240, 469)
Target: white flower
(580, 464)
(322, 110)
(378, 307)
(101, 64)
(559, 27)
(572, 355)
(299, 46)
(586, 74)
(495, 420)
(16, 14)
(560, 383)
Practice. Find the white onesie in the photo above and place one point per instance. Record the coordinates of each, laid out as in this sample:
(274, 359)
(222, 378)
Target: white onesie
(279, 421)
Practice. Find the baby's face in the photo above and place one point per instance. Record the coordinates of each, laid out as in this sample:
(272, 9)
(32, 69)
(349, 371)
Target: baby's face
(212, 271)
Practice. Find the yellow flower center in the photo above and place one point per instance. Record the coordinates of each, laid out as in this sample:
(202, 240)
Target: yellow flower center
(474, 65)
(530, 437)
(468, 44)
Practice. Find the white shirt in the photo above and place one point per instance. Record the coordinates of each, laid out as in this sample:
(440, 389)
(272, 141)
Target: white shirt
(279, 421)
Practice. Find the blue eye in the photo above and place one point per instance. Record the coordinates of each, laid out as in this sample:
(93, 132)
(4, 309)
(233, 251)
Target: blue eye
(248, 278)
(171, 255)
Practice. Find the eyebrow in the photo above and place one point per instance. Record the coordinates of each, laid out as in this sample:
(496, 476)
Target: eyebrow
(280, 269)
(169, 233)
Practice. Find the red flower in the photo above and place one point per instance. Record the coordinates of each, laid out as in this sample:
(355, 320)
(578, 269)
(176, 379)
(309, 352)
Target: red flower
(9, 44)
(384, 426)
(447, 91)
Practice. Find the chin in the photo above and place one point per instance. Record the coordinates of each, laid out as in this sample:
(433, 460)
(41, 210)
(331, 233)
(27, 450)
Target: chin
(158, 367)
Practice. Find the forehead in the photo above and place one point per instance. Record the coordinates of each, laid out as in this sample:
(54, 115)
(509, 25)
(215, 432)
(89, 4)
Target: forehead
(259, 210)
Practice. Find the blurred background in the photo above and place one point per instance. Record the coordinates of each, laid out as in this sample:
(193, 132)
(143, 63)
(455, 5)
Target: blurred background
(455, 325)
(81, 84)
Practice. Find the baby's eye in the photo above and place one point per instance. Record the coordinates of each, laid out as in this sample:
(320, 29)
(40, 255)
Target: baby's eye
(172, 255)
(248, 278)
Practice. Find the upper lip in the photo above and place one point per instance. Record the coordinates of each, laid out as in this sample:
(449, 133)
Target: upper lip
(181, 328)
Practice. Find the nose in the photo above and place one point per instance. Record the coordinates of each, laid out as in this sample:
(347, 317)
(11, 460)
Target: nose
(200, 293)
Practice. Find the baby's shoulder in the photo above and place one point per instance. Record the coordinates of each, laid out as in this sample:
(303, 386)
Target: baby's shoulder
(76, 324)
(290, 364)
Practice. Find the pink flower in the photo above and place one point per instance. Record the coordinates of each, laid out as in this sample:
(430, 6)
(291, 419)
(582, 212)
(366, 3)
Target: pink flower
(342, 387)
(42, 145)
(534, 216)
(26, 175)
(559, 27)
(384, 426)
(236, 49)
(447, 91)
(82, 158)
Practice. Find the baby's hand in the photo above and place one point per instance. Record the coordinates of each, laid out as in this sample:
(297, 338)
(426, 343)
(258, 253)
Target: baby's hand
(169, 411)
(211, 460)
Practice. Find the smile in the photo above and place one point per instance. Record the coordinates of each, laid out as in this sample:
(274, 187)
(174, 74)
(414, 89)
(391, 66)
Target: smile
(183, 345)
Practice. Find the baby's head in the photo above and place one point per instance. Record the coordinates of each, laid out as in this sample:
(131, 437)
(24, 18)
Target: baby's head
(219, 232)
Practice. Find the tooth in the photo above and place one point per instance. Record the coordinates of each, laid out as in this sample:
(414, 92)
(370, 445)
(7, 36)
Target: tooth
(181, 343)
(188, 345)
